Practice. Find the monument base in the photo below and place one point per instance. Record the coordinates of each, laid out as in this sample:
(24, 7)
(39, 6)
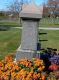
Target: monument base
(29, 54)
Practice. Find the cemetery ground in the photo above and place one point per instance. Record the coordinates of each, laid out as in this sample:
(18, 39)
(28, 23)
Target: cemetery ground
(49, 22)
(9, 23)
(10, 40)
(45, 22)
(52, 39)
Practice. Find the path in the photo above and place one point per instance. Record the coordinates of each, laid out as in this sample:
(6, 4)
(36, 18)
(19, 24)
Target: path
(43, 28)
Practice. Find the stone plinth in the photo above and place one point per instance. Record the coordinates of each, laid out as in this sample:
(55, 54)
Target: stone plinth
(29, 54)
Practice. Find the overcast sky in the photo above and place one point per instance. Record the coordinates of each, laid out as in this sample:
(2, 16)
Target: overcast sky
(5, 3)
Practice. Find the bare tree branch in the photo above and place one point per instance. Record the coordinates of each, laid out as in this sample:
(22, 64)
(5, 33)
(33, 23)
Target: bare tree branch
(16, 5)
(53, 7)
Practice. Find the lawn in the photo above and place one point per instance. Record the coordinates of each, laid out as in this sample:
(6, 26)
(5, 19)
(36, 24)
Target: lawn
(10, 23)
(44, 22)
(9, 41)
(49, 22)
(52, 37)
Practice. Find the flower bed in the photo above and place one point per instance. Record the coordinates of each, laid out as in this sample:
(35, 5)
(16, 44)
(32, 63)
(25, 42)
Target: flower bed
(51, 60)
(45, 68)
(21, 70)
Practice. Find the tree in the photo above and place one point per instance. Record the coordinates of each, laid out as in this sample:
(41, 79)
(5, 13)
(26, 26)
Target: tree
(16, 5)
(45, 10)
(53, 7)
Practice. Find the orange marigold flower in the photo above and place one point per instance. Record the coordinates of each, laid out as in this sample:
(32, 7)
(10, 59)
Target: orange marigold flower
(1, 72)
(1, 64)
(8, 58)
(16, 68)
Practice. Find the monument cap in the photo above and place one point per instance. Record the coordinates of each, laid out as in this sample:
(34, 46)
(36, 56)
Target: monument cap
(31, 11)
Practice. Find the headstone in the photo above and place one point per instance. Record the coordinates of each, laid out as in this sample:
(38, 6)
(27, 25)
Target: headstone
(30, 16)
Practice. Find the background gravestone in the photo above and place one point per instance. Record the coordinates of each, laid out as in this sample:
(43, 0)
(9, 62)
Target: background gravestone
(30, 16)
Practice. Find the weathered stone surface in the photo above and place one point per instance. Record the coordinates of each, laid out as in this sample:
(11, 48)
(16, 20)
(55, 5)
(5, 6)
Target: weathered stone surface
(29, 35)
(30, 16)
(29, 54)
(32, 11)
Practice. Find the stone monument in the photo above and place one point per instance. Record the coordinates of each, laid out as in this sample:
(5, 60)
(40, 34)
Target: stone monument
(30, 16)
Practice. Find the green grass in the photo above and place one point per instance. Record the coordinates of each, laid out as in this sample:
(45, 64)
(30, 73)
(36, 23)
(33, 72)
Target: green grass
(52, 37)
(44, 22)
(49, 22)
(10, 23)
(9, 41)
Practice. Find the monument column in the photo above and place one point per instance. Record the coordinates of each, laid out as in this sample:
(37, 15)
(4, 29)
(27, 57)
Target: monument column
(30, 16)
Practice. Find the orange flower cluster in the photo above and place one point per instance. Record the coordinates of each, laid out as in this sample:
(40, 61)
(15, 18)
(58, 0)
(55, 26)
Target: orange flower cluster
(21, 70)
